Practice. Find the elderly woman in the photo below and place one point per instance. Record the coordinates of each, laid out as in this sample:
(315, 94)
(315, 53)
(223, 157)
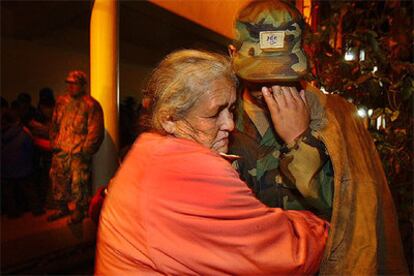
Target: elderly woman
(177, 207)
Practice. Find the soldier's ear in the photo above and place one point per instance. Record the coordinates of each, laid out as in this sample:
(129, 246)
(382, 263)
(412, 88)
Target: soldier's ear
(232, 50)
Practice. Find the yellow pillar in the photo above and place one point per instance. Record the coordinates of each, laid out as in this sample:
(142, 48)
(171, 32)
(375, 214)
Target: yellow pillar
(104, 85)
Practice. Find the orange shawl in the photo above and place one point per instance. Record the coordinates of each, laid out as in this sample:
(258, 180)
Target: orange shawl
(176, 207)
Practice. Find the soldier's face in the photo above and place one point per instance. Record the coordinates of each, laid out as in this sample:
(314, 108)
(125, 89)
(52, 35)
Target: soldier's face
(255, 90)
(75, 89)
(255, 93)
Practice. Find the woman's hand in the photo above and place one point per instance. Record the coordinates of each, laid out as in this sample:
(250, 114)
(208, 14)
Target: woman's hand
(289, 111)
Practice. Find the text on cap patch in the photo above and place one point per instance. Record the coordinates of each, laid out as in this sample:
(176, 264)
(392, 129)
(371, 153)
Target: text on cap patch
(272, 40)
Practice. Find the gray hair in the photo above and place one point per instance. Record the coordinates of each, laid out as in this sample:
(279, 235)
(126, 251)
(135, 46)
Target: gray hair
(180, 79)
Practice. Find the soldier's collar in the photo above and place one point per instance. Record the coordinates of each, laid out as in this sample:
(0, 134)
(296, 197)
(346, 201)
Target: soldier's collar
(256, 114)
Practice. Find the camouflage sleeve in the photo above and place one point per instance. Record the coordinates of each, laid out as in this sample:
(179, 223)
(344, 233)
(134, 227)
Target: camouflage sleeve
(95, 130)
(305, 165)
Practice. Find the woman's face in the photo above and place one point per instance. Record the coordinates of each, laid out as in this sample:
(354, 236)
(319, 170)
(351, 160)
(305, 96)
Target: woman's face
(210, 120)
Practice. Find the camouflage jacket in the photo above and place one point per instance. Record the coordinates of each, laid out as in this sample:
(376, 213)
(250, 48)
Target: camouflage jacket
(363, 238)
(77, 125)
(297, 176)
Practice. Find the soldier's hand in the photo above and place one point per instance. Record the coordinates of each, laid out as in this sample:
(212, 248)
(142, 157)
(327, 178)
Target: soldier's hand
(289, 111)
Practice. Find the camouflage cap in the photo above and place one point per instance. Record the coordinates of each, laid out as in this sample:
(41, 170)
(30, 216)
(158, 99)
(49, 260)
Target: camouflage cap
(77, 76)
(269, 42)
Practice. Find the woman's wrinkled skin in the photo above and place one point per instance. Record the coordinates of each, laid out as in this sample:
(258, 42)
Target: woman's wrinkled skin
(210, 120)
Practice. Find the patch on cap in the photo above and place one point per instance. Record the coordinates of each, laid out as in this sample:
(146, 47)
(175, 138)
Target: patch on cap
(272, 41)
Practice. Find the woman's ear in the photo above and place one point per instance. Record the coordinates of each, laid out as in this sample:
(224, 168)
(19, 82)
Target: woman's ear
(231, 50)
(168, 125)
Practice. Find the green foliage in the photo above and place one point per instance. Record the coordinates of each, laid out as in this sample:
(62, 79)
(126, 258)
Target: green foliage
(382, 81)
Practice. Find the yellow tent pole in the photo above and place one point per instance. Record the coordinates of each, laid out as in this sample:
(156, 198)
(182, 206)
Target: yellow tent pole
(104, 85)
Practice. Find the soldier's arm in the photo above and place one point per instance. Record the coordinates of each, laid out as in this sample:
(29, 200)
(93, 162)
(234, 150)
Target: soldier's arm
(305, 165)
(95, 130)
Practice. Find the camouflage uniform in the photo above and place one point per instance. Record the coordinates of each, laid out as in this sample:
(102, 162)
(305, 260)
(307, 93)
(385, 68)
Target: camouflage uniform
(292, 177)
(363, 237)
(298, 176)
(76, 133)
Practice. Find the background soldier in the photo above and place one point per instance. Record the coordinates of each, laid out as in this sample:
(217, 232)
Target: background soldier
(76, 132)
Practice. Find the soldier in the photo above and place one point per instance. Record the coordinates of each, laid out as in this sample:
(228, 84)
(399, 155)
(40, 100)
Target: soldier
(267, 53)
(302, 149)
(76, 132)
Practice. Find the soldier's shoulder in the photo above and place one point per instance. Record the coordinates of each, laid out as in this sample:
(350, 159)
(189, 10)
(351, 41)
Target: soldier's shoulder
(335, 100)
(91, 102)
(325, 99)
(62, 99)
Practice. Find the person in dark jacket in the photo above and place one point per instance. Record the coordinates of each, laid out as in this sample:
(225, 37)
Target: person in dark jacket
(17, 166)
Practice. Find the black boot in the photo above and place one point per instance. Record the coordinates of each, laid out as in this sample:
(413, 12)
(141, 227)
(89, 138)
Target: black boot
(62, 212)
(79, 214)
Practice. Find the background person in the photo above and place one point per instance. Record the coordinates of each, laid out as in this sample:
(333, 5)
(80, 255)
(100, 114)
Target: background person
(26, 109)
(40, 129)
(177, 207)
(17, 166)
(302, 149)
(40, 123)
(76, 132)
